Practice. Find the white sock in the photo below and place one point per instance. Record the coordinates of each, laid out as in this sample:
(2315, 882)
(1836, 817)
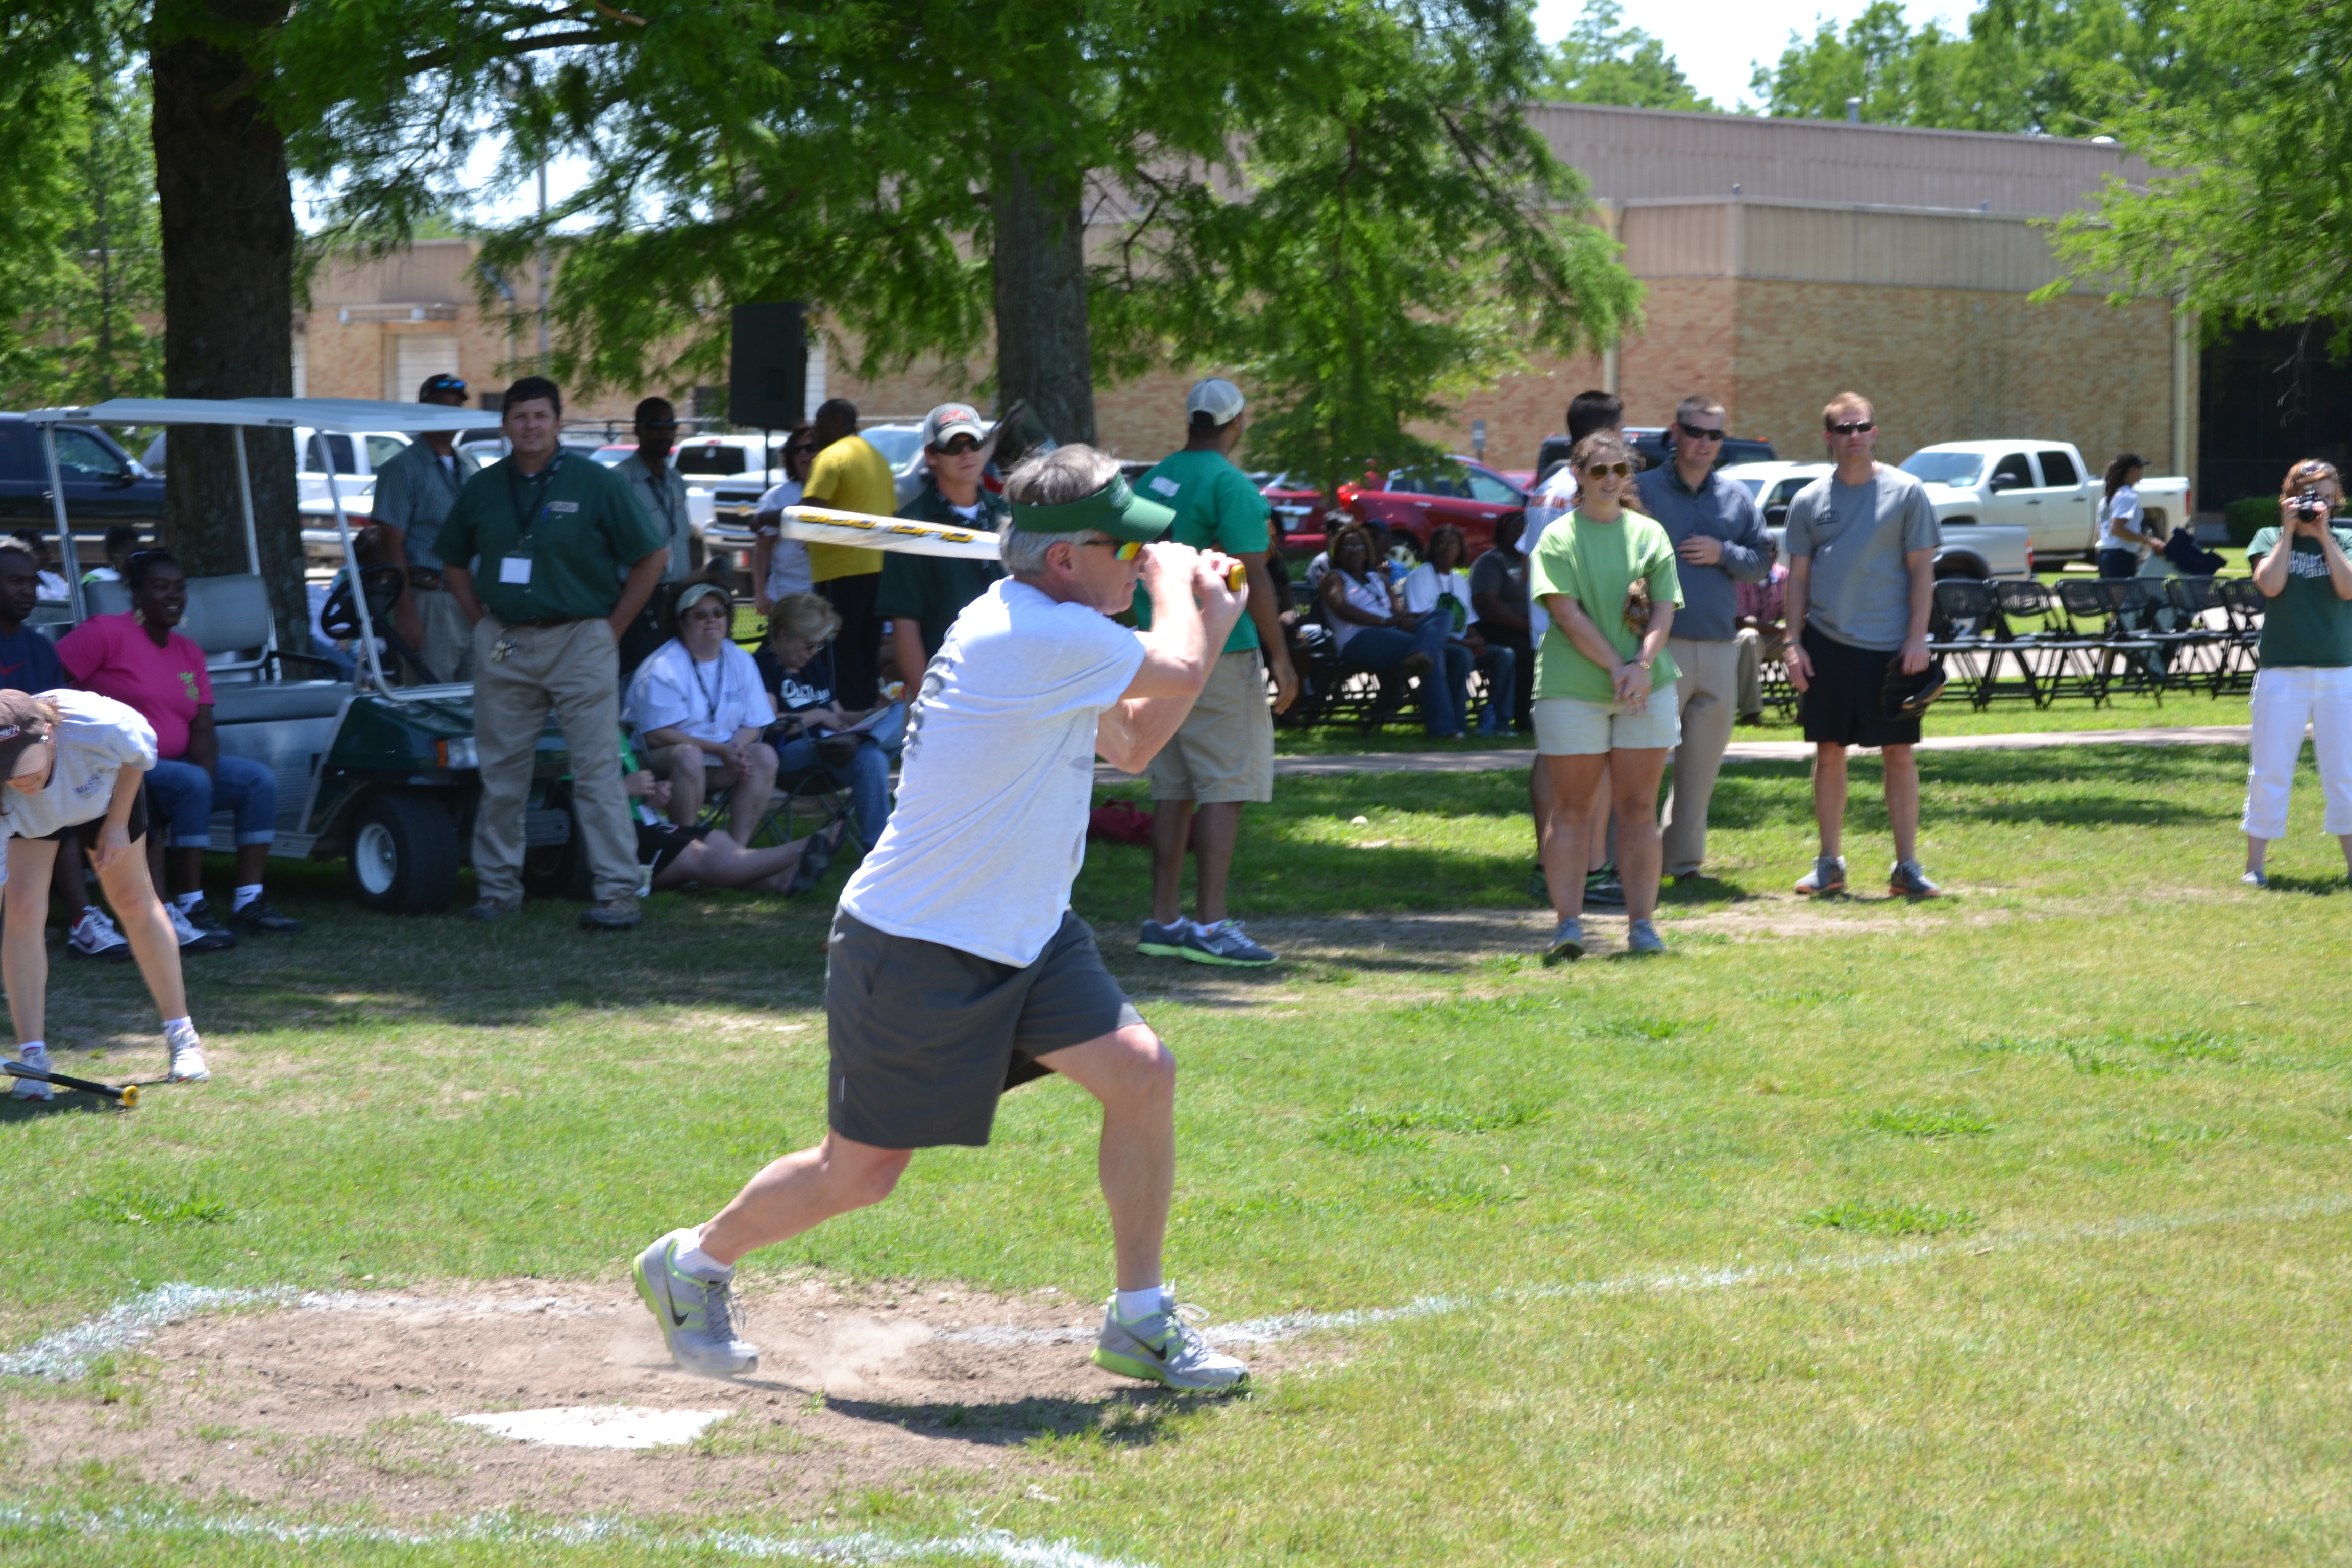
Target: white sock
(93, 910)
(31, 1049)
(183, 902)
(693, 1261)
(245, 895)
(1131, 1305)
(175, 1028)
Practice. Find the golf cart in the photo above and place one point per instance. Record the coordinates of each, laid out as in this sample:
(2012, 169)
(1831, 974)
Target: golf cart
(382, 774)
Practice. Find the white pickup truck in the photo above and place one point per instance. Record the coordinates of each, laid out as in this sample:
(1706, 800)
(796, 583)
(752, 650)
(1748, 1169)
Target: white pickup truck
(2042, 485)
(1969, 549)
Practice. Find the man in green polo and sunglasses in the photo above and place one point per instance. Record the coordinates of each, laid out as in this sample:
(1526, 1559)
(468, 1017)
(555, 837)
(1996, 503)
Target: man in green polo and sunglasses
(957, 969)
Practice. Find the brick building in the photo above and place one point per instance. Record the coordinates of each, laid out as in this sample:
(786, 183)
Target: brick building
(1784, 259)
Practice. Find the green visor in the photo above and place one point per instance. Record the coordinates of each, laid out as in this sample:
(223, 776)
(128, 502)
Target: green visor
(1114, 509)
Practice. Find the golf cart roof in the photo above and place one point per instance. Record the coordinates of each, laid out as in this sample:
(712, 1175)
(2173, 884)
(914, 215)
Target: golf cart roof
(331, 413)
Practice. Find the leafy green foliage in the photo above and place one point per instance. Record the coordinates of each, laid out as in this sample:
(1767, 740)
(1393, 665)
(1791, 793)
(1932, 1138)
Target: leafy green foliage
(1604, 61)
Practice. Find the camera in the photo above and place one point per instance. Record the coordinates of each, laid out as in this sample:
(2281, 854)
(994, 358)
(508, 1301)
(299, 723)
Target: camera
(2310, 505)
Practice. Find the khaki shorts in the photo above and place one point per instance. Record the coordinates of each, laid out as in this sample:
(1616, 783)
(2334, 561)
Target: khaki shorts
(1224, 748)
(1567, 727)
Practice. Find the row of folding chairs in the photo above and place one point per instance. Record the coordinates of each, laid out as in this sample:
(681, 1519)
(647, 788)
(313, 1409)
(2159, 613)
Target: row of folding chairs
(2018, 639)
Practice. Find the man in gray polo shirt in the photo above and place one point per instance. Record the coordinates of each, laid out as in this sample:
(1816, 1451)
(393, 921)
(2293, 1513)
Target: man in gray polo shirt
(660, 491)
(412, 493)
(1861, 579)
(1719, 542)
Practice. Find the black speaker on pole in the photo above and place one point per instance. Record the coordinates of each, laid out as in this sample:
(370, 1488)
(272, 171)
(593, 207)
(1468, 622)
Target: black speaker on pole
(768, 387)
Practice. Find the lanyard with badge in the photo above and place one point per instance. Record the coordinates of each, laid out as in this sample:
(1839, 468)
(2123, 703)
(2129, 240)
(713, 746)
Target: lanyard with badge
(530, 507)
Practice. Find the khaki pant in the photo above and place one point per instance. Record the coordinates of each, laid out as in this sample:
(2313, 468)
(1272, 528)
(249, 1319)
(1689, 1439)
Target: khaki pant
(1706, 687)
(1755, 648)
(448, 637)
(574, 670)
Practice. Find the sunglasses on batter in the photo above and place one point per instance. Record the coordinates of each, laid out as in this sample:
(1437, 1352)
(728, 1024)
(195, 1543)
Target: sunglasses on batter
(1122, 549)
(1851, 426)
(1602, 470)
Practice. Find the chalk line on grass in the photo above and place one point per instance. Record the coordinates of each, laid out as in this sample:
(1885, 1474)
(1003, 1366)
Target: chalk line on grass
(980, 1546)
(597, 1425)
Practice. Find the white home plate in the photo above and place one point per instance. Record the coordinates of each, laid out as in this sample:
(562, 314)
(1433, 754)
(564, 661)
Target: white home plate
(598, 1425)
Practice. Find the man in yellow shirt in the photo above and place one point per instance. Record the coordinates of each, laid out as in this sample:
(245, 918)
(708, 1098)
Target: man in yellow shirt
(850, 475)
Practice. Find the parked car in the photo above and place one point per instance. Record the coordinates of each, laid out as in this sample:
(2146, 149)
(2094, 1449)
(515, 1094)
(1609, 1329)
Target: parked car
(1657, 447)
(1969, 550)
(105, 487)
(2043, 485)
(1413, 502)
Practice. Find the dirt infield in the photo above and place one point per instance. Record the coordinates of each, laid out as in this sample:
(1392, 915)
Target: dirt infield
(350, 1399)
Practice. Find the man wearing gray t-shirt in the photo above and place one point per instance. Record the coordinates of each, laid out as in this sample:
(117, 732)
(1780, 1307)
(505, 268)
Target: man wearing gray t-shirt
(1862, 577)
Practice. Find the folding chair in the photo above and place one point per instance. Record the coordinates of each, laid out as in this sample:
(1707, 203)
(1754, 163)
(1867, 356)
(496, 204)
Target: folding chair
(2246, 605)
(1965, 629)
(2201, 623)
(2104, 613)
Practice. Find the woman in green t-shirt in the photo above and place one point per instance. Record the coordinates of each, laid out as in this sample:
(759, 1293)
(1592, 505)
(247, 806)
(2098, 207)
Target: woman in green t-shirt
(2302, 568)
(1605, 688)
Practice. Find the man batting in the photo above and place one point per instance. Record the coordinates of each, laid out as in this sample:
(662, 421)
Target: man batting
(957, 968)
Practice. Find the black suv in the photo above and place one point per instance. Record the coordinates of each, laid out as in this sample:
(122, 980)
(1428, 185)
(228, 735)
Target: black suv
(103, 486)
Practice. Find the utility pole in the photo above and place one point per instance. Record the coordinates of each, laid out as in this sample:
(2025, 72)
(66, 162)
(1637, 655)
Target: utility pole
(543, 267)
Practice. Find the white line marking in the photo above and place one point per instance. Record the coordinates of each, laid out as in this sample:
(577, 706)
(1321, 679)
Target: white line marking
(598, 1425)
(863, 1547)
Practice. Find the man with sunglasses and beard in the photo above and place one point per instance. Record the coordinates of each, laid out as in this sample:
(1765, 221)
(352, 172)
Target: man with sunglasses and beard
(1861, 579)
(921, 596)
(957, 969)
(1719, 542)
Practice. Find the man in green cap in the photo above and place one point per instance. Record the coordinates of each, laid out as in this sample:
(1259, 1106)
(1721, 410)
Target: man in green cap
(957, 969)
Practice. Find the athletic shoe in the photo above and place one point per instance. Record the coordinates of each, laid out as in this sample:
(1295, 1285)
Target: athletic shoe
(1164, 1347)
(1224, 943)
(193, 938)
(187, 1054)
(201, 916)
(259, 918)
(1159, 940)
(1907, 881)
(1567, 942)
(94, 936)
(33, 1087)
(1603, 889)
(1642, 941)
(2255, 879)
(697, 1316)
(612, 914)
(1827, 876)
(490, 909)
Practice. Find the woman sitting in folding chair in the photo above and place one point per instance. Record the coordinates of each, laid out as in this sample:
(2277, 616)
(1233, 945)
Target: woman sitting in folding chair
(851, 746)
(698, 707)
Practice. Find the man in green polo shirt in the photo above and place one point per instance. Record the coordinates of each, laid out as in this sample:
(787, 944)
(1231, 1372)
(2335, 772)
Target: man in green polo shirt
(1224, 753)
(567, 559)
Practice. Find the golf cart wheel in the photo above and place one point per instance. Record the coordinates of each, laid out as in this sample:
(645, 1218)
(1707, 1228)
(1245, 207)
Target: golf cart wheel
(404, 856)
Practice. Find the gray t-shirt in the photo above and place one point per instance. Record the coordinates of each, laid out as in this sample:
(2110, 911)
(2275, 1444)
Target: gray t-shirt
(1857, 536)
(1504, 574)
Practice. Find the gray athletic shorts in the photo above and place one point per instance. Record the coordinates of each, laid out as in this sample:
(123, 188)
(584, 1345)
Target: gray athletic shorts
(926, 1037)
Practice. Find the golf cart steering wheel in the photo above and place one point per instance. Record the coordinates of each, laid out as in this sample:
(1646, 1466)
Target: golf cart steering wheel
(384, 585)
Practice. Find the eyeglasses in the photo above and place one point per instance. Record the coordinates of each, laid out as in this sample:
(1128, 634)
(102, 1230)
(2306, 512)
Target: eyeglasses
(1602, 470)
(1696, 434)
(1850, 428)
(800, 449)
(961, 447)
(1123, 549)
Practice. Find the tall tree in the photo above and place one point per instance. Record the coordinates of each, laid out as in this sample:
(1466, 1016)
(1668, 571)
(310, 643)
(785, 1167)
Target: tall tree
(1604, 61)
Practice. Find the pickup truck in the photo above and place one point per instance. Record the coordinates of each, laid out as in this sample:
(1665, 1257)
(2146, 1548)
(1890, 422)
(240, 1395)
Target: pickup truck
(1969, 549)
(2043, 486)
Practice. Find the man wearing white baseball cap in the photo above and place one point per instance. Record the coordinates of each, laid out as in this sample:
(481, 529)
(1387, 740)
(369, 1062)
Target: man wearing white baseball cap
(921, 596)
(1222, 755)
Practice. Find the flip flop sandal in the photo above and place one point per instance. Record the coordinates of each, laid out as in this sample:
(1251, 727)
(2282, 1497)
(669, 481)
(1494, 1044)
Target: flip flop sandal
(815, 861)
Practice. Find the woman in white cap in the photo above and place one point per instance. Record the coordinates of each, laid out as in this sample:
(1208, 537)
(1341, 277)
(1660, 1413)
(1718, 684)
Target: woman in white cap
(70, 758)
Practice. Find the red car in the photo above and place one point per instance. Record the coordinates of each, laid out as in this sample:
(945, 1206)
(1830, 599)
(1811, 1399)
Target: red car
(1409, 503)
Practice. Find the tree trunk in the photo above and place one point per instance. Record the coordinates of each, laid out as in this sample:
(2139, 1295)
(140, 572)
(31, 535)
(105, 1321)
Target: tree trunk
(1043, 350)
(227, 212)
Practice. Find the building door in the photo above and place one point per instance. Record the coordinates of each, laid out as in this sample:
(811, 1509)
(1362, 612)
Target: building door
(413, 357)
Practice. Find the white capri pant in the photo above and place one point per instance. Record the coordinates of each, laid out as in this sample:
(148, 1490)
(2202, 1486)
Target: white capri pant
(2285, 699)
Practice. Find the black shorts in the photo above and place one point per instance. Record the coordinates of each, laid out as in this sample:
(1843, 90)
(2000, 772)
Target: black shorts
(1845, 704)
(88, 830)
(659, 843)
(925, 1038)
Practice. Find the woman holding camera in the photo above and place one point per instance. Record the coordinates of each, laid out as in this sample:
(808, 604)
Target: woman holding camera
(2306, 659)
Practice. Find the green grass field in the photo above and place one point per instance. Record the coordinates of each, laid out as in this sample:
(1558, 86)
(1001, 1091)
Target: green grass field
(2013, 1228)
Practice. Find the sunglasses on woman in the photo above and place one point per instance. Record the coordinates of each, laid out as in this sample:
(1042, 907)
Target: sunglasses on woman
(1850, 428)
(1602, 470)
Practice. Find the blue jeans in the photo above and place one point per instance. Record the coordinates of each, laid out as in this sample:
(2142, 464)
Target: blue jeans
(866, 776)
(185, 796)
(1443, 702)
(1502, 683)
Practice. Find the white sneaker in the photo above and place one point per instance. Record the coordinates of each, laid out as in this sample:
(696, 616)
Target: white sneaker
(1164, 1347)
(187, 1054)
(94, 936)
(192, 937)
(33, 1087)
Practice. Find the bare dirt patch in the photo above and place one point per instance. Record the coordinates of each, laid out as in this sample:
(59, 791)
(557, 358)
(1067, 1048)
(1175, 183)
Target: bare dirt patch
(350, 1400)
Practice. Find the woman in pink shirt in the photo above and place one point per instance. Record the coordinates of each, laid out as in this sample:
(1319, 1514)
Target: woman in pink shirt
(140, 662)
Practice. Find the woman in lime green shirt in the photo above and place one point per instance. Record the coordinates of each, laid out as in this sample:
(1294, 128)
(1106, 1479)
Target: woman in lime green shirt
(1604, 697)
